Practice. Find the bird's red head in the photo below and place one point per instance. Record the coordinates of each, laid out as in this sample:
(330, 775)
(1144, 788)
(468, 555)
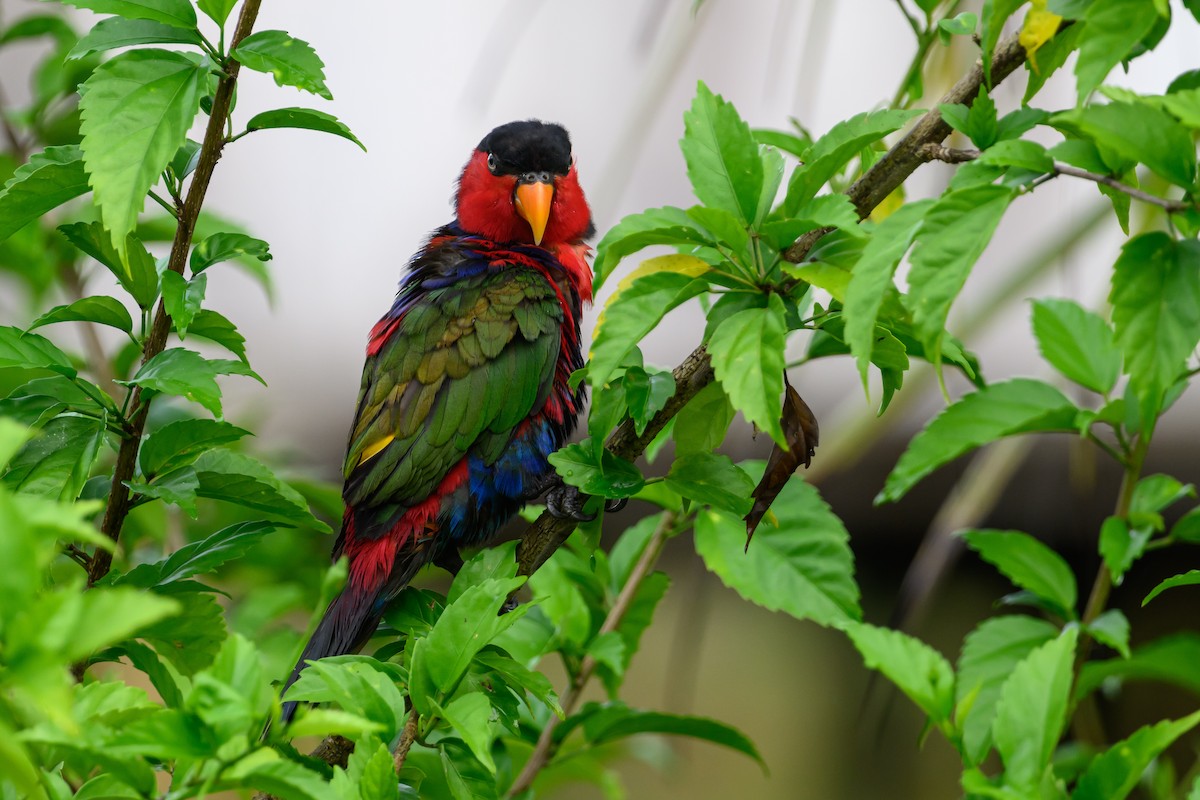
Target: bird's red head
(521, 187)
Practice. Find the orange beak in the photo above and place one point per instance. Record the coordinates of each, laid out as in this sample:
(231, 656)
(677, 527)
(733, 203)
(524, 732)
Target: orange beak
(533, 204)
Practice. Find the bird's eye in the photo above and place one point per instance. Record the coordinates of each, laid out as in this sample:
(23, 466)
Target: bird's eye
(492, 164)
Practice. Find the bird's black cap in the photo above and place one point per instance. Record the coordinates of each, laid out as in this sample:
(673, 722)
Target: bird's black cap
(529, 146)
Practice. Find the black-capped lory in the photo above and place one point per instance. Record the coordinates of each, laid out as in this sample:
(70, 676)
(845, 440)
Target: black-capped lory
(465, 389)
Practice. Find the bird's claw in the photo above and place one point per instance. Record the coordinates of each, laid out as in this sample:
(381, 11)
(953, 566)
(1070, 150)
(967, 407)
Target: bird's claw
(612, 506)
(566, 502)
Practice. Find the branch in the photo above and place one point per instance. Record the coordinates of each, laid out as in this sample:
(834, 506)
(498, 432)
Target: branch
(210, 152)
(546, 534)
(937, 152)
(407, 736)
(545, 744)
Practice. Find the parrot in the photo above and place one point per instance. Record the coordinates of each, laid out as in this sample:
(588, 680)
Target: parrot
(465, 389)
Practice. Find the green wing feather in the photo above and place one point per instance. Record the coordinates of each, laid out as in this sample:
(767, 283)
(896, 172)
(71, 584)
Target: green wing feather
(462, 369)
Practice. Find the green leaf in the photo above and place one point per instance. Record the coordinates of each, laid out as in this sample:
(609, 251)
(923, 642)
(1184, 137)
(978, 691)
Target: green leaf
(84, 623)
(1187, 528)
(1078, 343)
(324, 721)
(1155, 493)
(240, 479)
(1020, 153)
(1189, 578)
(135, 270)
(871, 278)
(58, 461)
(177, 488)
(992, 18)
(989, 654)
(722, 156)
(922, 673)
(266, 770)
(824, 211)
(1029, 564)
(35, 25)
(646, 393)
(377, 780)
(637, 308)
(998, 410)
(1112, 630)
(169, 12)
(713, 479)
(306, 118)
(30, 351)
(747, 358)
(800, 563)
(182, 298)
(955, 232)
(191, 641)
(114, 32)
(1156, 311)
(291, 61)
(597, 471)
(1109, 31)
(136, 111)
(217, 10)
(49, 179)
(101, 309)
(832, 151)
(469, 715)
(358, 684)
(226, 247)
(632, 722)
(1141, 133)
(1113, 774)
(517, 674)
(216, 328)
(199, 558)
(701, 425)
(961, 25)
(465, 627)
(1032, 710)
(185, 373)
(667, 225)
(1170, 659)
(181, 442)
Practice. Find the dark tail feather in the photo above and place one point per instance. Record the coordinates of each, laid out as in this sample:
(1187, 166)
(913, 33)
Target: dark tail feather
(352, 617)
(347, 625)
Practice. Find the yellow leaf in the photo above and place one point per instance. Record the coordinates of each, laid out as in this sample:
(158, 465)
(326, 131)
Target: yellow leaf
(889, 205)
(1039, 27)
(822, 276)
(684, 265)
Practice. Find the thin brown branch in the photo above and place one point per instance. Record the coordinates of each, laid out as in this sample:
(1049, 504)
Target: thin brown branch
(407, 737)
(544, 748)
(210, 152)
(951, 155)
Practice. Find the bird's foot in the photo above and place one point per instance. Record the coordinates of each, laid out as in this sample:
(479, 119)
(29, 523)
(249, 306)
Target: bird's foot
(567, 502)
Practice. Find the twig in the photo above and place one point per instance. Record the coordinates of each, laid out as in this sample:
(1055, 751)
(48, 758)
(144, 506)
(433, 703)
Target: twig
(936, 152)
(407, 737)
(210, 153)
(545, 744)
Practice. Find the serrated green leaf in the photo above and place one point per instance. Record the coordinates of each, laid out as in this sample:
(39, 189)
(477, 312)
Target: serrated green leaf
(217, 10)
(239, 479)
(1029, 564)
(49, 179)
(1112, 630)
(210, 325)
(722, 157)
(1156, 311)
(57, 462)
(922, 673)
(499, 562)
(989, 654)
(136, 111)
(1078, 343)
(832, 151)
(1113, 774)
(34, 25)
(800, 563)
(192, 640)
(747, 358)
(169, 12)
(871, 278)
(114, 32)
(181, 442)
(1032, 710)
(31, 351)
(186, 373)
(1109, 31)
(712, 479)
(1189, 578)
(667, 225)
(954, 234)
(998, 410)
(646, 393)
(1140, 133)
(597, 471)
(182, 298)
(266, 770)
(633, 722)
(101, 309)
(469, 715)
(701, 425)
(291, 61)
(87, 622)
(135, 270)
(360, 685)
(1020, 153)
(304, 118)
(198, 558)
(226, 247)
